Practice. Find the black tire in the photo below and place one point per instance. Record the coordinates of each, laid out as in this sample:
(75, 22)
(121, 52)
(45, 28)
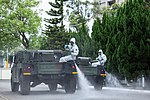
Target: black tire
(14, 86)
(99, 81)
(24, 84)
(52, 86)
(70, 84)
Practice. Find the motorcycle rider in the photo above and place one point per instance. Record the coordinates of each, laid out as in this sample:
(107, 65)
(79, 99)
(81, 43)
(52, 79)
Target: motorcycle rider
(73, 49)
(101, 59)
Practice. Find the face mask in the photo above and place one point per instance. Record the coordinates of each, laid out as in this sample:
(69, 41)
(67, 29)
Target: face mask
(99, 53)
(71, 43)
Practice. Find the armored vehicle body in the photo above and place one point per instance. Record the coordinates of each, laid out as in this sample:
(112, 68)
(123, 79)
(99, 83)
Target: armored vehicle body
(33, 67)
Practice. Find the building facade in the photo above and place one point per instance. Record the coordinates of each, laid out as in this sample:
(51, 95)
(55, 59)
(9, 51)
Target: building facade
(107, 3)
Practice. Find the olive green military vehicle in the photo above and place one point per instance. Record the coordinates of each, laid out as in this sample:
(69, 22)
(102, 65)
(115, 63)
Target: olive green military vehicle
(95, 75)
(33, 67)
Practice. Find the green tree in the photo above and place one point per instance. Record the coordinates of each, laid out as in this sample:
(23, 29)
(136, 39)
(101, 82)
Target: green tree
(19, 21)
(84, 42)
(125, 36)
(78, 16)
(55, 33)
(78, 13)
(36, 41)
(5, 36)
(96, 34)
(25, 21)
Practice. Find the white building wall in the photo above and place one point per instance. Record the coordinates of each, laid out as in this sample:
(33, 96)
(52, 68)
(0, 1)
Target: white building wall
(105, 2)
(120, 1)
(5, 73)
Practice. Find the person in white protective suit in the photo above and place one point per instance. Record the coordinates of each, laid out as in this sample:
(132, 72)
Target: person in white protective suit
(73, 49)
(101, 59)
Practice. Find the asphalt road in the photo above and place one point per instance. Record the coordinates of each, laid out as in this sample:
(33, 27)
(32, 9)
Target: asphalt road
(41, 92)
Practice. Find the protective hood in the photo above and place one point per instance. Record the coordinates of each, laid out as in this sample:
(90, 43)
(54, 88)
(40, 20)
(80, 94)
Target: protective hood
(100, 51)
(72, 40)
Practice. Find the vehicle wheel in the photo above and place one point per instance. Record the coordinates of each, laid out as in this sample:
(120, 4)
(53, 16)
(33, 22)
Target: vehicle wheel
(98, 83)
(24, 84)
(52, 87)
(70, 84)
(14, 86)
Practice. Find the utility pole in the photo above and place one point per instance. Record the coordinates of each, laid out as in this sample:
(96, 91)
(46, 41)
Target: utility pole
(7, 59)
(143, 81)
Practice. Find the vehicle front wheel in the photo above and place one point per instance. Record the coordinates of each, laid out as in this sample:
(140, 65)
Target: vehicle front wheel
(14, 86)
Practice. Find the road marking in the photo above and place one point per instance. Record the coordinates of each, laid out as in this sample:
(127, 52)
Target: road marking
(3, 98)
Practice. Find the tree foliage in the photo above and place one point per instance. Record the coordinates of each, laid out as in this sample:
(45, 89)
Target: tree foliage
(54, 29)
(77, 16)
(124, 34)
(19, 21)
(78, 12)
(84, 42)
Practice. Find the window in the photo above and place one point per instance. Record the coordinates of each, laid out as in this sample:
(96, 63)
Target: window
(110, 2)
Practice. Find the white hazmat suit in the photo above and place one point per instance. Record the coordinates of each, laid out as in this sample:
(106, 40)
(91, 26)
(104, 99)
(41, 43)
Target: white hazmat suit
(101, 59)
(73, 49)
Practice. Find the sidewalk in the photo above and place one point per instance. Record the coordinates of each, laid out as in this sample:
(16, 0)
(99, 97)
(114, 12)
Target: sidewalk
(5, 73)
(135, 85)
